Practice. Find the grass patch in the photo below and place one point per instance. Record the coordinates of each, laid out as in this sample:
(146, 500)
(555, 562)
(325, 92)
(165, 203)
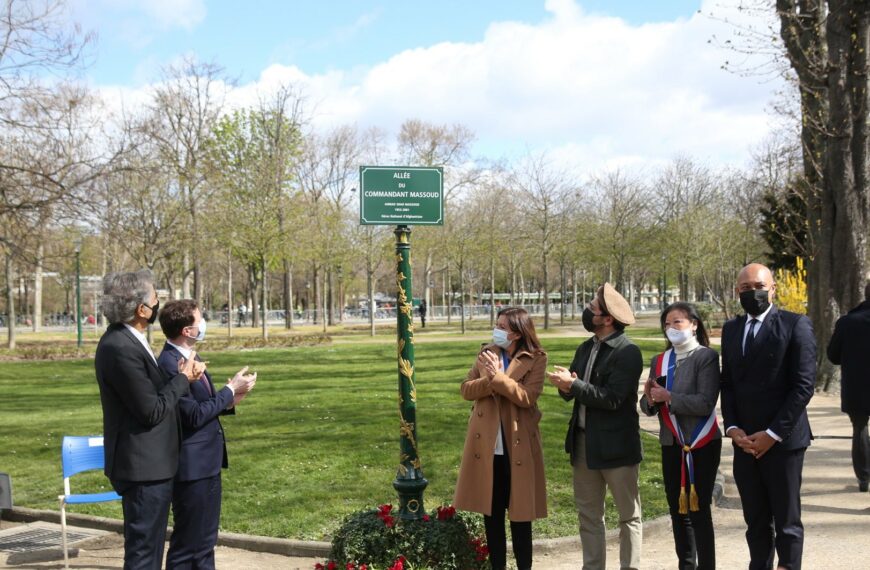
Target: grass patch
(316, 440)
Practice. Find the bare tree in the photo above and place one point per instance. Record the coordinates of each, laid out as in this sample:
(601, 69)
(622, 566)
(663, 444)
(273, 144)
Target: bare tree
(448, 146)
(544, 191)
(185, 107)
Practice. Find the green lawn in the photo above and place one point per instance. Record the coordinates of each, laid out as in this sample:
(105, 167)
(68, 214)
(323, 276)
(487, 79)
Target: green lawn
(317, 439)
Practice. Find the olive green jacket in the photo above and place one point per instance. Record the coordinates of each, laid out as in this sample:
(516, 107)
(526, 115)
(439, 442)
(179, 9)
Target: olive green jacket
(612, 427)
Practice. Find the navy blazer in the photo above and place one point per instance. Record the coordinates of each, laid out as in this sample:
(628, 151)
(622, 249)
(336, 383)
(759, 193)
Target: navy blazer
(140, 425)
(850, 348)
(770, 387)
(203, 447)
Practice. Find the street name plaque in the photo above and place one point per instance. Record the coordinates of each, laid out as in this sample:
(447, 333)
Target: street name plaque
(401, 195)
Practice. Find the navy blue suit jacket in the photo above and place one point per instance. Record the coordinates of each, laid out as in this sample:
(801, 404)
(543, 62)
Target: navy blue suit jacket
(850, 348)
(203, 447)
(770, 387)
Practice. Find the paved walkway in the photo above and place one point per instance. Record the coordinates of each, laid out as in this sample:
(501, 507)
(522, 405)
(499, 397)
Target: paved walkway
(836, 518)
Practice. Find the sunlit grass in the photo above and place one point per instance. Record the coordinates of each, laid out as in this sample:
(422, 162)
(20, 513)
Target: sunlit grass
(317, 439)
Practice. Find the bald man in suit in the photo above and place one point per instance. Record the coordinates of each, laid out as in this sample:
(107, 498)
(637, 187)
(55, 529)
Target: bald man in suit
(768, 377)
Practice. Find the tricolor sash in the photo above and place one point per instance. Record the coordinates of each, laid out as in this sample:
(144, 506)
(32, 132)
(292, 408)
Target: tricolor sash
(704, 432)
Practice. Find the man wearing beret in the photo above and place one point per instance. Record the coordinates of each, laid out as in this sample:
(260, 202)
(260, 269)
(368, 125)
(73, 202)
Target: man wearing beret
(603, 435)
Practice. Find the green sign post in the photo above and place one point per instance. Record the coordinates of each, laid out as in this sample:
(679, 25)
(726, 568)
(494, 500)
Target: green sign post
(401, 196)
(404, 196)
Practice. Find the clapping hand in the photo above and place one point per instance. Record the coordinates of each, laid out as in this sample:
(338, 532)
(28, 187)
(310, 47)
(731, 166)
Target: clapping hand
(490, 363)
(242, 383)
(191, 367)
(562, 378)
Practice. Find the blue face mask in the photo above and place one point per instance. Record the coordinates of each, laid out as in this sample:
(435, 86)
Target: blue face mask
(500, 338)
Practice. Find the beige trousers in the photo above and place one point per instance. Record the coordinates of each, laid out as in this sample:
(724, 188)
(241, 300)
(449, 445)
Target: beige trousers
(590, 487)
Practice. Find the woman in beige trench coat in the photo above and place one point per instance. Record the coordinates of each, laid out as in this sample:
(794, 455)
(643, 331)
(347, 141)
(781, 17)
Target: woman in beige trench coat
(502, 462)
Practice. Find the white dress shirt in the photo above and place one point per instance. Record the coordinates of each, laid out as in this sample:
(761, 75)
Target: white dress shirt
(143, 339)
(185, 352)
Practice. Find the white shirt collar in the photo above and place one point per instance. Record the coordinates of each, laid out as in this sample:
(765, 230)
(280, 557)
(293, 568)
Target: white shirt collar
(185, 352)
(142, 339)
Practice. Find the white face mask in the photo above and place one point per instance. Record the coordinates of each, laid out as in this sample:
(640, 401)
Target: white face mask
(500, 338)
(679, 337)
(200, 336)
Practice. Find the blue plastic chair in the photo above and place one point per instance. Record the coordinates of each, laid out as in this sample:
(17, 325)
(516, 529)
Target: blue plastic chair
(78, 454)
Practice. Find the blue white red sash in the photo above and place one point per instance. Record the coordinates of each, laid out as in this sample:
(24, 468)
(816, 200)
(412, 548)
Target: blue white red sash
(704, 432)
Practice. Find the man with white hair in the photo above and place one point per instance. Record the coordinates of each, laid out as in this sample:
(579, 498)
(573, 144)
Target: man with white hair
(140, 421)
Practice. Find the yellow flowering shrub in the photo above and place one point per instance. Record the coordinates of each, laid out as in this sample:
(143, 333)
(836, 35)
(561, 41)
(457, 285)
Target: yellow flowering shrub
(791, 288)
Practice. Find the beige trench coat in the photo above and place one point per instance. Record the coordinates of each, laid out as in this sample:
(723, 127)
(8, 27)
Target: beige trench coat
(511, 396)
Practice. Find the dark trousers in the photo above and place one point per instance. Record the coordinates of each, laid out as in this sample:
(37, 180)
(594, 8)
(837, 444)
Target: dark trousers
(146, 512)
(693, 533)
(860, 446)
(196, 509)
(770, 491)
(521, 532)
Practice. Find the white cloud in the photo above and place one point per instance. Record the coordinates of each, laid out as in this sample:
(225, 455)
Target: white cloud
(593, 89)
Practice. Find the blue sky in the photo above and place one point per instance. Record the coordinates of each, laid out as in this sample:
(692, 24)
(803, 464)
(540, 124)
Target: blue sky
(596, 83)
(314, 35)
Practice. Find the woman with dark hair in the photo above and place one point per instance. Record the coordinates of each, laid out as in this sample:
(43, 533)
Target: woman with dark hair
(502, 462)
(683, 388)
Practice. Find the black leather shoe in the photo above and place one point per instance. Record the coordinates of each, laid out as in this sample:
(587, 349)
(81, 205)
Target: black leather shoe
(863, 486)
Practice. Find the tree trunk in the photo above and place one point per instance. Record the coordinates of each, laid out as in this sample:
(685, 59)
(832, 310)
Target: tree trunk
(265, 300)
(185, 275)
(492, 291)
(229, 294)
(574, 294)
(370, 288)
(255, 294)
(10, 302)
(461, 297)
(546, 285)
(427, 275)
(449, 306)
(841, 250)
(37, 289)
(323, 300)
(317, 306)
(563, 293)
(330, 297)
(288, 295)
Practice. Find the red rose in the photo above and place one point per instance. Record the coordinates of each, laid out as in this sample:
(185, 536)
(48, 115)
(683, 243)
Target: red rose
(389, 521)
(426, 518)
(350, 566)
(332, 565)
(318, 566)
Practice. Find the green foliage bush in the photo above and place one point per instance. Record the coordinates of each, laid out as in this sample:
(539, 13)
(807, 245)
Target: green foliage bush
(444, 539)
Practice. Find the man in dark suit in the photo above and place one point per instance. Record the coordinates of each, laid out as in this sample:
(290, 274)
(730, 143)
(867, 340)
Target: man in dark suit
(604, 433)
(140, 424)
(196, 496)
(849, 348)
(768, 375)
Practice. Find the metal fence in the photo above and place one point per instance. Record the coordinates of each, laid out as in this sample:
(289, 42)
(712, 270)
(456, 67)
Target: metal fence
(66, 323)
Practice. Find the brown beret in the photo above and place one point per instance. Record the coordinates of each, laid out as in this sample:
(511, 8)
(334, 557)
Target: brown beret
(615, 304)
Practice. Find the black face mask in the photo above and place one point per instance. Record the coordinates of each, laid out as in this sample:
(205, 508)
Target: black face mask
(154, 310)
(587, 317)
(754, 301)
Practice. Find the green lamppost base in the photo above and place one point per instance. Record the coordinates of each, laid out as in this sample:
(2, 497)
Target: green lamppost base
(410, 497)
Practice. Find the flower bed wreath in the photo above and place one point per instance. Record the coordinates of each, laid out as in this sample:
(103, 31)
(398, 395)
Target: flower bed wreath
(375, 539)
